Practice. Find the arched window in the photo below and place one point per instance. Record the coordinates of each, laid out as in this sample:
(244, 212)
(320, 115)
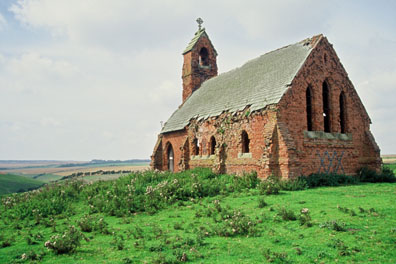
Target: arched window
(212, 145)
(203, 57)
(170, 158)
(308, 94)
(195, 147)
(342, 112)
(326, 107)
(245, 142)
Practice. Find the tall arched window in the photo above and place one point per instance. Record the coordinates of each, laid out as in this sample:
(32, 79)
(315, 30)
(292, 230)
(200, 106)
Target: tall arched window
(170, 158)
(203, 57)
(195, 147)
(342, 112)
(326, 107)
(309, 108)
(245, 142)
(212, 145)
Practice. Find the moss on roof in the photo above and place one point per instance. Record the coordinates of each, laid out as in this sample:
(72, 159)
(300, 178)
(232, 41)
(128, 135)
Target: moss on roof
(258, 83)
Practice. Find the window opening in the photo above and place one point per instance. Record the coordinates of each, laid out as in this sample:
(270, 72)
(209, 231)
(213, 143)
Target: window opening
(326, 107)
(342, 113)
(195, 146)
(245, 142)
(203, 57)
(309, 108)
(171, 158)
(212, 145)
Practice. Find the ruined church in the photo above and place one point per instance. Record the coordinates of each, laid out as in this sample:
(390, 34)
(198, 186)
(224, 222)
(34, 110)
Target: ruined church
(290, 112)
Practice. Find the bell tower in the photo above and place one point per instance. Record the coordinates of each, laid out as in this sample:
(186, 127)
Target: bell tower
(199, 61)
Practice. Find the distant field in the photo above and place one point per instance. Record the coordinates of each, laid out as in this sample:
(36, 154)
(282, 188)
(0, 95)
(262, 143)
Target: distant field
(13, 183)
(48, 171)
(388, 159)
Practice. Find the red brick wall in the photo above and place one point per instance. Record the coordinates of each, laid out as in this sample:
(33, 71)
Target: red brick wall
(227, 130)
(177, 140)
(321, 154)
(193, 74)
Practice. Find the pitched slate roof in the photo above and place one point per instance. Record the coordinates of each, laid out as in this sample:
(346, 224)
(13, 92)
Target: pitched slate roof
(258, 83)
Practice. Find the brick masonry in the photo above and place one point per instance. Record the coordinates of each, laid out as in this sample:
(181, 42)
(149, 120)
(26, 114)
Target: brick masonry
(194, 72)
(279, 141)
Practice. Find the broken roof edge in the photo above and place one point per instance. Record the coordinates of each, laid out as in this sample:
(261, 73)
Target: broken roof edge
(205, 118)
(313, 41)
(194, 41)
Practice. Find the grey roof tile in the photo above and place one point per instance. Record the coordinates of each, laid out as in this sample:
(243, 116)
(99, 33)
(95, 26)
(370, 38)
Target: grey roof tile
(258, 83)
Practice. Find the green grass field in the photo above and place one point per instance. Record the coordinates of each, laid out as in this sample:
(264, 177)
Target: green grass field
(199, 217)
(10, 183)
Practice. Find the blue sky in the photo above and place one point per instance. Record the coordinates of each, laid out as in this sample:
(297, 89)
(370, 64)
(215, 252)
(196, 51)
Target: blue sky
(93, 79)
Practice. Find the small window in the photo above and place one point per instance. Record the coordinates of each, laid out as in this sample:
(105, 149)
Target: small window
(326, 107)
(245, 142)
(203, 57)
(170, 158)
(342, 112)
(195, 146)
(212, 145)
(309, 108)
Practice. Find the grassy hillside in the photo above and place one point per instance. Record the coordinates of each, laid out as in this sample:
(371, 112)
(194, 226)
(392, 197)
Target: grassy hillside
(10, 183)
(198, 217)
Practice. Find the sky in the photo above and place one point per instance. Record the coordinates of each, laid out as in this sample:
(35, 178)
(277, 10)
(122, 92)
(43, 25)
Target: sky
(93, 79)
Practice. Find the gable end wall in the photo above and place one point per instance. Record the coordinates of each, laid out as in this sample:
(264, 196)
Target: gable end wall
(327, 152)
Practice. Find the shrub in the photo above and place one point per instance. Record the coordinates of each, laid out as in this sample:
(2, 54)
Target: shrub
(118, 242)
(367, 175)
(86, 223)
(323, 179)
(231, 223)
(246, 181)
(269, 186)
(261, 202)
(6, 243)
(297, 184)
(333, 225)
(277, 257)
(287, 215)
(33, 256)
(67, 242)
(305, 218)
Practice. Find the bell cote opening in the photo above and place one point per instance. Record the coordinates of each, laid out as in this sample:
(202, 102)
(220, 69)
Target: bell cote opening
(204, 57)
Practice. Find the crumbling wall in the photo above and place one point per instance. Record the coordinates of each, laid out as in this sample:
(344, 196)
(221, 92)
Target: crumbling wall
(227, 130)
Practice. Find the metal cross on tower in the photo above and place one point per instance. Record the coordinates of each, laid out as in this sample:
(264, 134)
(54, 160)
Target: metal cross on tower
(199, 21)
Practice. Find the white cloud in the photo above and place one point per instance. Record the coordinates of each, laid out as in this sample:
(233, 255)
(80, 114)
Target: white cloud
(3, 22)
(109, 71)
